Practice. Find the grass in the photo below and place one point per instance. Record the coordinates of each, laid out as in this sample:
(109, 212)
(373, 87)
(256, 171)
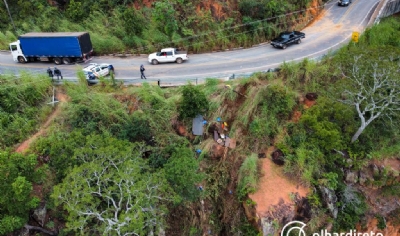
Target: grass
(248, 176)
(249, 107)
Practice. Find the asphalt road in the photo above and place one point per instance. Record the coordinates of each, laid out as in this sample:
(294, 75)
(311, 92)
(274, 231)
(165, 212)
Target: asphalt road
(332, 30)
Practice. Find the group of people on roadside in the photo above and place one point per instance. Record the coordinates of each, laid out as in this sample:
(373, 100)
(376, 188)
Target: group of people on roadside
(56, 72)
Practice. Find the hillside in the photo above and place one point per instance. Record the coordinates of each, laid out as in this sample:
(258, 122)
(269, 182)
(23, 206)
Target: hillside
(146, 26)
(268, 149)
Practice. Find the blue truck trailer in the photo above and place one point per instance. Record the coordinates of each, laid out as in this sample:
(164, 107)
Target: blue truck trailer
(59, 47)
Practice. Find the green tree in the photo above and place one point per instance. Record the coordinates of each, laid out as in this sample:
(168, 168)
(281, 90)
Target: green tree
(112, 193)
(134, 23)
(182, 172)
(75, 11)
(17, 173)
(326, 123)
(164, 15)
(193, 102)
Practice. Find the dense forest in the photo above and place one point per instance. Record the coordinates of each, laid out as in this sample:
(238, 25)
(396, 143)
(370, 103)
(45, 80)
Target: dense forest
(118, 160)
(131, 26)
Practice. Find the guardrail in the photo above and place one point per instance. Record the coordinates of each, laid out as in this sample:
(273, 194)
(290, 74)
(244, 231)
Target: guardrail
(171, 82)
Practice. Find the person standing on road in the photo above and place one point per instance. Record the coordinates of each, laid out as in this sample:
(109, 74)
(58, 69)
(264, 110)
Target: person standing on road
(57, 73)
(50, 72)
(142, 69)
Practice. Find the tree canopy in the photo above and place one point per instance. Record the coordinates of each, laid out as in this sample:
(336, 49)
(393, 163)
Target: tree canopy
(193, 102)
(18, 174)
(113, 190)
(372, 84)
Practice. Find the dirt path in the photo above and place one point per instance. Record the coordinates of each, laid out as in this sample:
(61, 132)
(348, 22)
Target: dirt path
(25, 145)
(274, 187)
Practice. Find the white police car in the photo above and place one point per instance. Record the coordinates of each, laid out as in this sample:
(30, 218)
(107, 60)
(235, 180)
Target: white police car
(98, 70)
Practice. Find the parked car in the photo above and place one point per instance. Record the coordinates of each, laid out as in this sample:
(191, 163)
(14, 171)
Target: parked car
(167, 55)
(98, 70)
(286, 38)
(90, 77)
(344, 2)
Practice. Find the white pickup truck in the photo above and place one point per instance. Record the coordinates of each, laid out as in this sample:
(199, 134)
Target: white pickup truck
(168, 55)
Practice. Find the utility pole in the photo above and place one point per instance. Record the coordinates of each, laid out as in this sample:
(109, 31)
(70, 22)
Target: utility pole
(54, 99)
(9, 13)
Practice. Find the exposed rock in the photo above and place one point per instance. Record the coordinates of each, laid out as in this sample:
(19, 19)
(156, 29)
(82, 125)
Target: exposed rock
(267, 227)
(39, 214)
(250, 212)
(349, 163)
(351, 177)
(217, 151)
(302, 210)
(282, 212)
(312, 96)
(363, 178)
(161, 232)
(375, 170)
(330, 200)
(23, 232)
(278, 157)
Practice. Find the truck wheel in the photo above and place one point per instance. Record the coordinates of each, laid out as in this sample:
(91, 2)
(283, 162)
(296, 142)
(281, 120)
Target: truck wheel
(21, 60)
(298, 41)
(179, 60)
(284, 47)
(154, 62)
(66, 60)
(57, 61)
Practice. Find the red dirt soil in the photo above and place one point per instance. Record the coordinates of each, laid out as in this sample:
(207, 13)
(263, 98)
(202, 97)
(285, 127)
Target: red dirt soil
(25, 145)
(308, 103)
(274, 186)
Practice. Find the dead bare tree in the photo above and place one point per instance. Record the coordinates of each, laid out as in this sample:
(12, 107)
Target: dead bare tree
(373, 91)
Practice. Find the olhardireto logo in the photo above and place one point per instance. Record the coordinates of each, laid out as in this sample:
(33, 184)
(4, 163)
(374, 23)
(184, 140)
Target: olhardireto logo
(296, 228)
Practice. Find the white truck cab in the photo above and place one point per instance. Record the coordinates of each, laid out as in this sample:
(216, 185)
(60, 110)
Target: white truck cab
(16, 52)
(167, 55)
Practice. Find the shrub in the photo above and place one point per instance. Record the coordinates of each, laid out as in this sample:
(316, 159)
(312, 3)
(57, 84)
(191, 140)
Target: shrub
(264, 128)
(95, 113)
(60, 147)
(193, 102)
(277, 101)
(20, 105)
(352, 208)
(305, 164)
(329, 124)
(181, 171)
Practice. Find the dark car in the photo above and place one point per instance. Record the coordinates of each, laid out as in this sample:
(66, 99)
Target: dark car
(286, 38)
(343, 2)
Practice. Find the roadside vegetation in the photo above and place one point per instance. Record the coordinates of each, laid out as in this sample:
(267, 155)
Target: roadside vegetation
(122, 159)
(22, 106)
(145, 26)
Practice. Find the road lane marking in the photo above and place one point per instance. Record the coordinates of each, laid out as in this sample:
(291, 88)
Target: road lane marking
(347, 11)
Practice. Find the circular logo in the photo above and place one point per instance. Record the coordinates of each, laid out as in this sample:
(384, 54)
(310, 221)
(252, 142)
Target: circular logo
(295, 226)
